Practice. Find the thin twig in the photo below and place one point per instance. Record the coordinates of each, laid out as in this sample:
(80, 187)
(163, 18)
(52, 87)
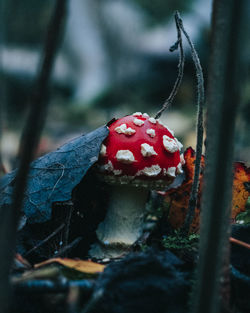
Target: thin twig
(41, 243)
(239, 242)
(200, 105)
(70, 205)
(178, 81)
(67, 248)
(200, 131)
(28, 144)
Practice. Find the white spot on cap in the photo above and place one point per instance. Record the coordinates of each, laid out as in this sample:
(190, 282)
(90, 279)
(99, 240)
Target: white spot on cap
(147, 150)
(170, 144)
(122, 129)
(117, 172)
(182, 159)
(171, 171)
(152, 120)
(129, 131)
(151, 132)
(103, 150)
(137, 114)
(145, 115)
(125, 156)
(180, 145)
(151, 171)
(138, 122)
(179, 168)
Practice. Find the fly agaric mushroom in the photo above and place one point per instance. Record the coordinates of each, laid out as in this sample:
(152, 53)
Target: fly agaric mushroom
(139, 154)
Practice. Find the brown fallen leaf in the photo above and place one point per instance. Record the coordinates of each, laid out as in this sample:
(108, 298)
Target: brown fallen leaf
(179, 197)
(240, 192)
(87, 267)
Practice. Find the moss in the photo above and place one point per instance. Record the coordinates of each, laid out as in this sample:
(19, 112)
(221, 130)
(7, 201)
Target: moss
(178, 241)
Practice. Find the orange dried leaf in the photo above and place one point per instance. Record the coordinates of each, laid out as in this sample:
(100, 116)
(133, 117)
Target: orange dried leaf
(87, 267)
(179, 197)
(190, 156)
(240, 192)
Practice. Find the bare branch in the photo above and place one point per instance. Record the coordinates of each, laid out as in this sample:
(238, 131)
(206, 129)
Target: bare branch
(178, 81)
(45, 240)
(70, 207)
(67, 248)
(199, 127)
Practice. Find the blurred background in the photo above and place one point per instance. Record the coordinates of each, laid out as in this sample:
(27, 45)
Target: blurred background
(114, 60)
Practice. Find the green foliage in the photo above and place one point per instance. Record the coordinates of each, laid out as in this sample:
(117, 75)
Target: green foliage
(159, 11)
(178, 241)
(244, 217)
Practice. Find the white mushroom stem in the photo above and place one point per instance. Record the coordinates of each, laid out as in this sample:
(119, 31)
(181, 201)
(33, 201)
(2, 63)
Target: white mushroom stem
(123, 223)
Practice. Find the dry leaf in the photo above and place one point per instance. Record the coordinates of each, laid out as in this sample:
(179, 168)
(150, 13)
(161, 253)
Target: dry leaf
(87, 267)
(179, 197)
(240, 192)
(53, 176)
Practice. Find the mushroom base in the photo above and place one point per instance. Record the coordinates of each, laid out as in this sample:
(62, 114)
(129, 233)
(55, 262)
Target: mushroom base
(123, 224)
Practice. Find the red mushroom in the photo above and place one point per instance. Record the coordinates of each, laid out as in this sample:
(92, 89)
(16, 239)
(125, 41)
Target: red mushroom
(140, 154)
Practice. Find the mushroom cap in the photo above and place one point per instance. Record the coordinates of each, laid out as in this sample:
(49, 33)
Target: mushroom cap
(140, 150)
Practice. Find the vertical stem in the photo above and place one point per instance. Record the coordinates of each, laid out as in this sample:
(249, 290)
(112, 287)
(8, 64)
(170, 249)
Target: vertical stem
(223, 98)
(123, 223)
(30, 138)
(2, 83)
